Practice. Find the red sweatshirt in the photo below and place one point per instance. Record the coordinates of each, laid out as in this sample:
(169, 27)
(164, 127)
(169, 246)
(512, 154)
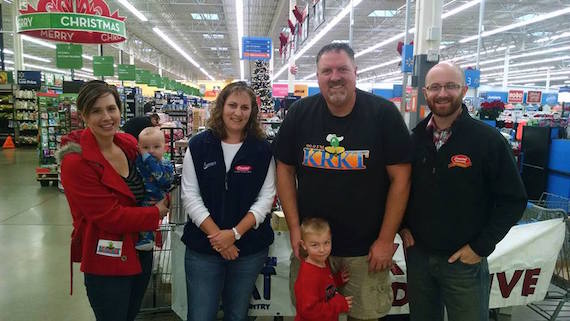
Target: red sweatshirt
(315, 291)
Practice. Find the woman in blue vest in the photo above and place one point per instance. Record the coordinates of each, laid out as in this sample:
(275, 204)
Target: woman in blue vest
(228, 188)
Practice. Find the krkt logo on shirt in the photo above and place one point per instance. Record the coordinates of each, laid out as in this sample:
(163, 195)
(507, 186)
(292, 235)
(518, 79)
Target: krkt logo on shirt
(334, 156)
(462, 161)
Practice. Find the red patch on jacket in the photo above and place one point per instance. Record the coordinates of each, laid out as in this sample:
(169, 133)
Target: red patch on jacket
(462, 161)
(243, 169)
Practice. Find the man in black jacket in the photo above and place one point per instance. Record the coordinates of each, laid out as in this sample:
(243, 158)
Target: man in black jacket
(134, 126)
(466, 194)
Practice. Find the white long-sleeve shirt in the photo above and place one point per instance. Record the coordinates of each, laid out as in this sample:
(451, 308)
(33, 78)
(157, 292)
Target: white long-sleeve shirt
(192, 200)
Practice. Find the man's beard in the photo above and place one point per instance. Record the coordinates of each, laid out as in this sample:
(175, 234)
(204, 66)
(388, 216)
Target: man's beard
(456, 104)
(337, 96)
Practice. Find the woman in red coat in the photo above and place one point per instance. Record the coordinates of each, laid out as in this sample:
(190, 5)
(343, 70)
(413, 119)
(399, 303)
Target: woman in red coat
(102, 188)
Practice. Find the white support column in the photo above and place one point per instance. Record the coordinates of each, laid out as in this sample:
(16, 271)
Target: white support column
(131, 59)
(426, 47)
(160, 66)
(547, 79)
(506, 69)
(291, 77)
(18, 47)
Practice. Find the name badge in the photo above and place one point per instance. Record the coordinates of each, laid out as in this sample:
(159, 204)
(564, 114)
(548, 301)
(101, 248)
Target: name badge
(110, 248)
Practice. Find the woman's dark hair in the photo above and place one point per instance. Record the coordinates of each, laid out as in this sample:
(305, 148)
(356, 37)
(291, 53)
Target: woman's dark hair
(93, 90)
(216, 121)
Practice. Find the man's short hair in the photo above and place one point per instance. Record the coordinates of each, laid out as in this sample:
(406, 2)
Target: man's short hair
(314, 225)
(336, 47)
(155, 117)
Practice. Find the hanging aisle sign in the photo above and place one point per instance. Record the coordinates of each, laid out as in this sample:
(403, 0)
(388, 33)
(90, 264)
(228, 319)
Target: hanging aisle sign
(85, 21)
(472, 78)
(126, 72)
(103, 66)
(408, 58)
(69, 56)
(256, 48)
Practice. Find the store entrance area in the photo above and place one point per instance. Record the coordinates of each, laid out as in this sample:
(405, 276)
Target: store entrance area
(35, 226)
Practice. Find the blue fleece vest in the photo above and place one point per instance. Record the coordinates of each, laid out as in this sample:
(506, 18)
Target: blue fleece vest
(228, 197)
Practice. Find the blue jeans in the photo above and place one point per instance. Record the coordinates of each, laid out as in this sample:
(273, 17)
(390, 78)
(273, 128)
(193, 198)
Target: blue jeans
(119, 298)
(433, 283)
(210, 276)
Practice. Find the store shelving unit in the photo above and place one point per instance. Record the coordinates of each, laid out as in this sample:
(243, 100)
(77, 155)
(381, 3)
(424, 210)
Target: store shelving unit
(178, 109)
(52, 124)
(6, 112)
(26, 117)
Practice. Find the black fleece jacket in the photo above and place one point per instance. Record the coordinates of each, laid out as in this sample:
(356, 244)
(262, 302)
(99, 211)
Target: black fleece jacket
(468, 192)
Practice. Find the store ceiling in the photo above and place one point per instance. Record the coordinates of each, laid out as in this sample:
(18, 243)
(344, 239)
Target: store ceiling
(214, 43)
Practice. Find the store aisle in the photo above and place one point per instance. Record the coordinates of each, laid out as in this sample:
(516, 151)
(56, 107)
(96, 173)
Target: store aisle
(35, 225)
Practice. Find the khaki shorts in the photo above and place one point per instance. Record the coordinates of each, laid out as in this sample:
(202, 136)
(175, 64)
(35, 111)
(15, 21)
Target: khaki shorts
(371, 292)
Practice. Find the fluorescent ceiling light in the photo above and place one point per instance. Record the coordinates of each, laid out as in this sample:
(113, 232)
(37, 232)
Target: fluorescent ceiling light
(528, 54)
(10, 52)
(319, 35)
(239, 22)
(340, 41)
(527, 63)
(563, 35)
(527, 17)
(543, 74)
(133, 10)
(482, 53)
(460, 8)
(219, 48)
(213, 36)
(394, 79)
(180, 51)
(87, 69)
(387, 63)
(515, 72)
(383, 13)
(518, 24)
(530, 84)
(540, 79)
(310, 76)
(567, 82)
(382, 75)
(38, 41)
(205, 16)
(412, 30)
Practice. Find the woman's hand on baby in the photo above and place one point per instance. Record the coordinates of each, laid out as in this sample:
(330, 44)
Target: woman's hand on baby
(345, 274)
(222, 239)
(162, 207)
(348, 301)
(231, 253)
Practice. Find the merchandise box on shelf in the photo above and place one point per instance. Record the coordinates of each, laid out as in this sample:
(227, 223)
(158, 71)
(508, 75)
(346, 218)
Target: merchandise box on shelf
(6, 112)
(25, 116)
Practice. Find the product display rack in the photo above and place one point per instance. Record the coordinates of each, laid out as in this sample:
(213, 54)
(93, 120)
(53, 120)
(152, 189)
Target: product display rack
(6, 112)
(177, 108)
(52, 124)
(25, 117)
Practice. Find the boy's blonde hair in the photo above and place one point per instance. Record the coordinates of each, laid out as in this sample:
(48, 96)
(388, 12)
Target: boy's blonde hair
(314, 225)
(151, 131)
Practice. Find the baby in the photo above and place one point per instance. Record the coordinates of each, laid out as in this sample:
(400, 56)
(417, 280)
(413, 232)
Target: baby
(316, 287)
(156, 173)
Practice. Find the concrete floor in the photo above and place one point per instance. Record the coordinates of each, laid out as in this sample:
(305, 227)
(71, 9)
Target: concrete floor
(35, 226)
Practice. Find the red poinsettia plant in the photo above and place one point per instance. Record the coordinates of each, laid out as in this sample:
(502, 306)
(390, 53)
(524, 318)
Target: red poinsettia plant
(491, 109)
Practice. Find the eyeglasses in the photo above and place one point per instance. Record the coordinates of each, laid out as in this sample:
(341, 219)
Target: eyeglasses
(450, 86)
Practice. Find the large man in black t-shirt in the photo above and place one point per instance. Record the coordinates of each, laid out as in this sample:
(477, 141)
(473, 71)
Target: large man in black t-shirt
(349, 153)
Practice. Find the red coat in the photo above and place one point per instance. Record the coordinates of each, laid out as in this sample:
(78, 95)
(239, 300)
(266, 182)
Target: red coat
(97, 194)
(316, 294)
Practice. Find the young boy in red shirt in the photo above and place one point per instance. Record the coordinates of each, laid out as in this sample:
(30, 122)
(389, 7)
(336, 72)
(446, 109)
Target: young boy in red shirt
(316, 287)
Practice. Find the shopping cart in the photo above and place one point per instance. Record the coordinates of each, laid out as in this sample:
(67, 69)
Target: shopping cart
(158, 294)
(551, 206)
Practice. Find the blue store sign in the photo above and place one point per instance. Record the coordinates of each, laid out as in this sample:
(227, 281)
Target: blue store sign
(30, 78)
(408, 58)
(256, 48)
(472, 77)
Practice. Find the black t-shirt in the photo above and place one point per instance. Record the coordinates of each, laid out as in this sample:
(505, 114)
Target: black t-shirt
(341, 164)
